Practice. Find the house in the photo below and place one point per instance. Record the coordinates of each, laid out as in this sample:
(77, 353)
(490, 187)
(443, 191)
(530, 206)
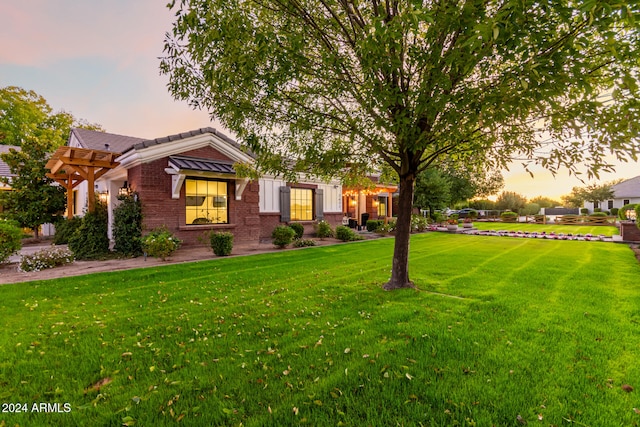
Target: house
(5, 172)
(187, 182)
(625, 192)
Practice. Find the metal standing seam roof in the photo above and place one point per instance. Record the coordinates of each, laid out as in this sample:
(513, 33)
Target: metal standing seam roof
(201, 165)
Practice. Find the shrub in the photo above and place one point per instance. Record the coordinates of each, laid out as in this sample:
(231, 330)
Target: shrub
(346, 234)
(160, 243)
(282, 235)
(599, 214)
(222, 243)
(374, 224)
(65, 229)
(10, 239)
(301, 243)
(323, 230)
(614, 211)
(127, 226)
(298, 228)
(584, 211)
(622, 213)
(509, 216)
(531, 209)
(45, 258)
(596, 210)
(89, 240)
(418, 223)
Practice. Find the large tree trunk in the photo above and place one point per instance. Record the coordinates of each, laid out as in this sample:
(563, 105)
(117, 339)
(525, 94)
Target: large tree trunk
(400, 269)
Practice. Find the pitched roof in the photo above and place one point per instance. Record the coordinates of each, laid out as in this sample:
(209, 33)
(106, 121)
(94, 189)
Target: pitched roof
(185, 135)
(628, 189)
(96, 140)
(4, 168)
(201, 165)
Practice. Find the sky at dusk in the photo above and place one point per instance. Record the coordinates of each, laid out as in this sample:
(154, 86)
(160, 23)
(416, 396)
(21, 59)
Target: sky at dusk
(99, 61)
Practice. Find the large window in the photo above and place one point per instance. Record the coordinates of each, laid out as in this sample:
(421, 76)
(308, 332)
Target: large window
(206, 201)
(301, 204)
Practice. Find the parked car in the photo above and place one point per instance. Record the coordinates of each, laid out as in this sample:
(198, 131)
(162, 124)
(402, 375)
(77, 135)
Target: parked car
(466, 212)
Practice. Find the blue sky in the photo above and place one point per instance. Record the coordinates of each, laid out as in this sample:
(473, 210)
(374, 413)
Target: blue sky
(98, 59)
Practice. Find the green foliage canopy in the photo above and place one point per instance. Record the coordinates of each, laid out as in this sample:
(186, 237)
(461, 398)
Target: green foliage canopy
(315, 85)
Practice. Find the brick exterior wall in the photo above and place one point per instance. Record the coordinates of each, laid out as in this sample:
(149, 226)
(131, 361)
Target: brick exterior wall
(630, 232)
(153, 186)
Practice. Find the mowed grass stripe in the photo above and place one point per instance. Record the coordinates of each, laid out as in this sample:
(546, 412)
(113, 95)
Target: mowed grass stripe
(253, 342)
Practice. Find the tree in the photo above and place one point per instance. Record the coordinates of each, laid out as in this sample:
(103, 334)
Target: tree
(27, 120)
(33, 200)
(545, 202)
(432, 190)
(315, 85)
(509, 200)
(25, 114)
(593, 193)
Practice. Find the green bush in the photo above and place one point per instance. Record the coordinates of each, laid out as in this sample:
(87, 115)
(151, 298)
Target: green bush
(127, 226)
(45, 258)
(509, 216)
(160, 243)
(622, 213)
(597, 210)
(374, 224)
(614, 211)
(298, 228)
(222, 243)
(301, 243)
(599, 214)
(323, 230)
(282, 236)
(584, 211)
(418, 223)
(10, 239)
(346, 234)
(89, 240)
(65, 229)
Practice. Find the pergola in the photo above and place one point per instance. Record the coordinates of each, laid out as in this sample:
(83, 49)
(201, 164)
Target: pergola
(70, 166)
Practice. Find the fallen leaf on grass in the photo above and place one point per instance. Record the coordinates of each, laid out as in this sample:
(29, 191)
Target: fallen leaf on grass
(96, 387)
(627, 388)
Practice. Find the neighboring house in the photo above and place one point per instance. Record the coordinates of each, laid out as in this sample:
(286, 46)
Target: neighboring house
(187, 183)
(5, 172)
(625, 193)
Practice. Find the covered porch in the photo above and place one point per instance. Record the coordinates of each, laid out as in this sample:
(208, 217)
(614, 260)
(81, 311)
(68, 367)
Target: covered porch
(362, 204)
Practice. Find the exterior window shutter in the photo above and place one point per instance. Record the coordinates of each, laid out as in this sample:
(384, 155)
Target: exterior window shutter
(285, 204)
(319, 204)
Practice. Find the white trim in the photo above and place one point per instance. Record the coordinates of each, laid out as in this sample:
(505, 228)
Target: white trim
(139, 156)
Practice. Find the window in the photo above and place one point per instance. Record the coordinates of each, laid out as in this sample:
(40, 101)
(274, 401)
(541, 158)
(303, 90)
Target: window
(596, 205)
(609, 204)
(625, 202)
(301, 204)
(206, 201)
(382, 206)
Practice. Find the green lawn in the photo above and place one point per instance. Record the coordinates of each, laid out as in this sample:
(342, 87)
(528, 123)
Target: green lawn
(566, 229)
(499, 329)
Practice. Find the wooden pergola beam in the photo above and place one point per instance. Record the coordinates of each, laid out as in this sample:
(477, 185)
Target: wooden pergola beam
(70, 166)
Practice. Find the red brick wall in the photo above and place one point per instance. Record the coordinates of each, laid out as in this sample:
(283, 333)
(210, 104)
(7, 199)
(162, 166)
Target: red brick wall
(153, 185)
(630, 232)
